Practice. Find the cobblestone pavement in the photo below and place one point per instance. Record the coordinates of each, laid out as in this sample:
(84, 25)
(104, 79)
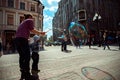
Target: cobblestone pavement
(80, 64)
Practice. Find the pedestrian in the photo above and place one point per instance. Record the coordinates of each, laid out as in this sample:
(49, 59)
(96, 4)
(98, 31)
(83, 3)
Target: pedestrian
(35, 55)
(105, 42)
(64, 43)
(99, 39)
(22, 44)
(89, 41)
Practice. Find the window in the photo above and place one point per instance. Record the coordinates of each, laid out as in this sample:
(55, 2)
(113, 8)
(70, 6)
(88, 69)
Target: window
(81, 15)
(11, 3)
(32, 7)
(21, 18)
(1, 16)
(10, 19)
(22, 5)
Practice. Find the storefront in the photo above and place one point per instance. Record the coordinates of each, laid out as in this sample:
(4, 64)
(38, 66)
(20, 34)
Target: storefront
(8, 41)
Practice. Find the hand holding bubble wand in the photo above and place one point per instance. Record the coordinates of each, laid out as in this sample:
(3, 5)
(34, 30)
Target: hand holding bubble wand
(43, 33)
(48, 30)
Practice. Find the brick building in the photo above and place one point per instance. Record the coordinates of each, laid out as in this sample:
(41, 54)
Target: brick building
(83, 11)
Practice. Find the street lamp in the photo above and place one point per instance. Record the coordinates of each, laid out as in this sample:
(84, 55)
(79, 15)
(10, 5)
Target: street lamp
(96, 18)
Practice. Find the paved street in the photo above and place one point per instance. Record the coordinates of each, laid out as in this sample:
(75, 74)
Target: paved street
(80, 64)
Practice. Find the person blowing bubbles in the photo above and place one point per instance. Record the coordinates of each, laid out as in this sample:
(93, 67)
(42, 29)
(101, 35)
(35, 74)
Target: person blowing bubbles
(22, 44)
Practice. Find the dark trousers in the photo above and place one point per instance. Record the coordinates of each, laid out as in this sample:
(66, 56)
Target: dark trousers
(106, 44)
(24, 53)
(35, 58)
(64, 46)
(89, 43)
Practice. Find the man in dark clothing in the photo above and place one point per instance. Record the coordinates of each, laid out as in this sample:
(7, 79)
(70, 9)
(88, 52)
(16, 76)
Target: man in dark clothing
(64, 43)
(89, 41)
(22, 44)
(106, 41)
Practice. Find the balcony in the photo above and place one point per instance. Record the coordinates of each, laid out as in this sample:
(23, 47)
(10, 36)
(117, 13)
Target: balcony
(8, 27)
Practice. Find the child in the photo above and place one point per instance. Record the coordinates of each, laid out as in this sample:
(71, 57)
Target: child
(35, 55)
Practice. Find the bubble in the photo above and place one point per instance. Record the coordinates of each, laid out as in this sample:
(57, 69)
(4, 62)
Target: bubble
(77, 33)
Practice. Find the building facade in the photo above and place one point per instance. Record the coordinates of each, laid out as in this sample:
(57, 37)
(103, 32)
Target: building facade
(12, 13)
(84, 11)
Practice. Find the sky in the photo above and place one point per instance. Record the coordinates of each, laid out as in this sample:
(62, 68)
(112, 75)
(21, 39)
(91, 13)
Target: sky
(51, 7)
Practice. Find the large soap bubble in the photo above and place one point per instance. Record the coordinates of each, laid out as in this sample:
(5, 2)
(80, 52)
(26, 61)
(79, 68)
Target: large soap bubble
(77, 33)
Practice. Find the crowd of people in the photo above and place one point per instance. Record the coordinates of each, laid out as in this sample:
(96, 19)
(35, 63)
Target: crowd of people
(105, 40)
(25, 49)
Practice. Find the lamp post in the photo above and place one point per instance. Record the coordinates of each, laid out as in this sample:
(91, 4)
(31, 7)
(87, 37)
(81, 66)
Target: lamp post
(96, 18)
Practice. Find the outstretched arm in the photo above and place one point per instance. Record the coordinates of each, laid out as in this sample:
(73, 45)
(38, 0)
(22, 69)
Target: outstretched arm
(38, 32)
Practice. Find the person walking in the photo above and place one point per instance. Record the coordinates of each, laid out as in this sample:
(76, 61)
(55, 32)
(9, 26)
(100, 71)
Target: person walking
(22, 44)
(89, 41)
(105, 36)
(64, 43)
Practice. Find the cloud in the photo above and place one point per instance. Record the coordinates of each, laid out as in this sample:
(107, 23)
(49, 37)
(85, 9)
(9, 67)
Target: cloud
(47, 22)
(52, 1)
(52, 8)
(50, 5)
(47, 25)
(49, 10)
(47, 17)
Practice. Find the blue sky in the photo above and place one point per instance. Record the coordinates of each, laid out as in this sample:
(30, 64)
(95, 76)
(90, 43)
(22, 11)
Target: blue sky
(51, 7)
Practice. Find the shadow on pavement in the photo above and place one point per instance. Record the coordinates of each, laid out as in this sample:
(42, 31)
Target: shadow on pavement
(93, 73)
(94, 48)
